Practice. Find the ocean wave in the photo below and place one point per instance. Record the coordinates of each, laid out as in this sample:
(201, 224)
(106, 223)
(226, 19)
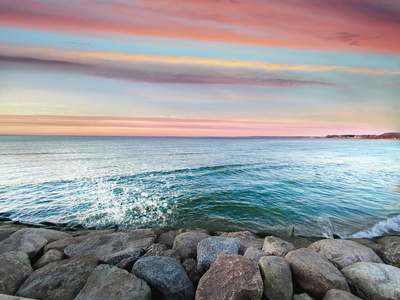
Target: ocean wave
(390, 225)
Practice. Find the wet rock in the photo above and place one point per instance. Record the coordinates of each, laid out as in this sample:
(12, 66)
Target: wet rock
(64, 243)
(109, 282)
(277, 278)
(246, 238)
(302, 296)
(276, 246)
(298, 241)
(190, 266)
(166, 275)
(254, 254)
(61, 280)
(339, 295)
(391, 252)
(49, 257)
(373, 281)
(167, 238)
(343, 253)
(15, 268)
(314, 274)
(231, 276)
(209, 249)
(377, 248)
(161, 250)
(186, 244)
(114, 247)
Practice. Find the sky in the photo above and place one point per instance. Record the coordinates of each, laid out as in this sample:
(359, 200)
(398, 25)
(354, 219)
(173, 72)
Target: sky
(199, 68)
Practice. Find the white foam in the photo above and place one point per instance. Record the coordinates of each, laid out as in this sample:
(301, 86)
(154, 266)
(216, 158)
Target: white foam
(381, 228)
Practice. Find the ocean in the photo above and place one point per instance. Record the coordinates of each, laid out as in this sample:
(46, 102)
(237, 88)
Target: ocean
(264, 185)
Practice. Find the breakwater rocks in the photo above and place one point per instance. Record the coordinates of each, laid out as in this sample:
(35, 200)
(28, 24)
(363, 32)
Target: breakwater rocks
(42, 263)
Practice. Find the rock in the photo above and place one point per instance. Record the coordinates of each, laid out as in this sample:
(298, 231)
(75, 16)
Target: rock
(373, 281)
(6, 230)
(114, 247)
(64, 243)
(303, 296)
(298, 241)
(277, 278)
(15, 268)
(60, 280)
(186, 244)
(391, 252)
(49, 234)
(209, 249)
(49, 257)
(127, 263)
(254, 254)
(231, 276)
(276, 246)
(109, 282)
(246, 238)
(165, 275)
(339, 295)
(343, 253)
(161, 250)
(31, 244)
(7, 297)
(314, 274)
(167, 238)
(378, 249)
(190, 266)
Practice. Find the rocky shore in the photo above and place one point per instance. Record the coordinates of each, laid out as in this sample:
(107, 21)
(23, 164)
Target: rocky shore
(48, 262)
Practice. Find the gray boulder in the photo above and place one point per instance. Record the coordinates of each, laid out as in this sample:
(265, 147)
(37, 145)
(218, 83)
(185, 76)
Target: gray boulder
(114, 247)
(277, 278)
(315, 274)
(31, 244)
(246, 238)
(298, 241)
(343, 253)
(302, 296)
(167, 238)
(373, 281)
(8, 297)
(391, 252)
(49, 257)
(161, 250)
(231, 276)
(49, 234)
(209, 249)
(276, 246)
(186, 243)
(339, 295)
(15, 268)
(377, 248)
(254, 254)
(190, 266)
(6, 230)
(108, 282)
(64, 243)
(166, 275)
(60, 280)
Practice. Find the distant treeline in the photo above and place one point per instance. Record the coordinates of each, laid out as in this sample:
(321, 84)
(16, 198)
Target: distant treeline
(387, 135)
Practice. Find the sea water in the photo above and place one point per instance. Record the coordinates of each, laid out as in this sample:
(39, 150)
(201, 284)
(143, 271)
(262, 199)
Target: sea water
(265, 185)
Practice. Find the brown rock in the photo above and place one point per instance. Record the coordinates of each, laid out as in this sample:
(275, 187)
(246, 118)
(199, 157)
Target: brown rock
(276, 246)
(186, 244)
(246, 238)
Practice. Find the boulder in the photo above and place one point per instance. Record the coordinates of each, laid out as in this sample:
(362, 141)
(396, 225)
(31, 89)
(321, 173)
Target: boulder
(298, 241)
(109, 282)
(343, 253)
(209, 249)
(246, 238)
(127, 263)
(167, 238)
(165, 275)
(315, 274)
(254, 254)
(49, 257)
(302, 296)
(114, 247)
(339, 295)
(190, 266)
(49, 234)
(6, 230)
(277, 278)
(7, 297)
(15, 268)
(186, 244)
(64, 243)
(231, 276)
(276, 246)
(60, 280)
(161, 250)
(391, 252)
(373, 281)
(377, 248)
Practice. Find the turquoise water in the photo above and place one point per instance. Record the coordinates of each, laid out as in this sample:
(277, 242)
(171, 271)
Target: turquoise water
(320, 186)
